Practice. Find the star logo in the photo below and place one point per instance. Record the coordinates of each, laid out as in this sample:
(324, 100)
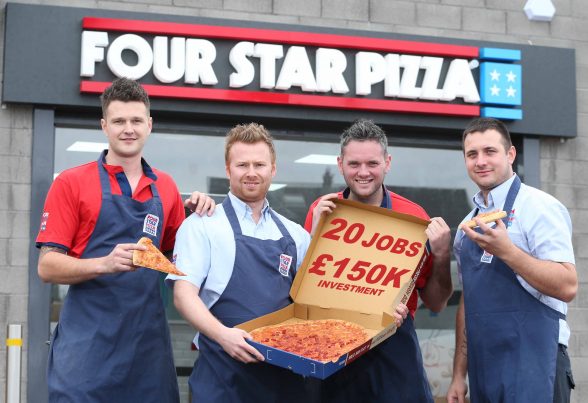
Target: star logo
(500, 84)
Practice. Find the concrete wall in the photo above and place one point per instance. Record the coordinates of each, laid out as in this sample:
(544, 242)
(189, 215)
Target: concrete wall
(564, 165)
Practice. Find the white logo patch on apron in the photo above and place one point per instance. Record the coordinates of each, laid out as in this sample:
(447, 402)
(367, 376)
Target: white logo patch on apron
(486, 257)
(150, 224)
(285, 262)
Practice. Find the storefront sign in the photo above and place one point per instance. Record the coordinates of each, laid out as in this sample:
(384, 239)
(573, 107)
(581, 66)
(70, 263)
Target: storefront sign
(62, 57)
(417, 77)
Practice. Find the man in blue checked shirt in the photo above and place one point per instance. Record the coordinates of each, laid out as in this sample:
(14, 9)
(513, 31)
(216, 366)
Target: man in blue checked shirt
(518, 275)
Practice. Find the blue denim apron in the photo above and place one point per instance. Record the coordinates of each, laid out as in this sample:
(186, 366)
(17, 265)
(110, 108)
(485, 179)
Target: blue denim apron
(112, 342)
(512, 337)
(256, 288)
(392, 372)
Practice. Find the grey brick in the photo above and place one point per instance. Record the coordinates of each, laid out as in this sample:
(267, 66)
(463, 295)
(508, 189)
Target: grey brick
(582, 76)
(393, 12)
(15, 169)
(346, 9)
(578, 318)
(505, 4)
(480, 19)
(18, 280)
(580, 249)
(17, 142)
(13, 308)
(467, 3)
(569, 28)
(426, 31)
(3, 252)
(557, 171)
(564, 7)
(564, 193)
(580, 392)
(555, 148)
(579, 8)
(431, 15)
(199, 3)
(15, 224)
(582, 97)
(300, 7)
(578, 346)
(581, 53)
(250, 6)
(580, 369)
(517, 23)
(18, 252)
(580, 221)
(582, 197)
(240, 15)
(15, 196)
(580, 168)
(16, 116)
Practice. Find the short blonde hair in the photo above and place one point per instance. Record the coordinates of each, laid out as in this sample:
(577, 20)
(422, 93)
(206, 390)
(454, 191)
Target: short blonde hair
(249, 134)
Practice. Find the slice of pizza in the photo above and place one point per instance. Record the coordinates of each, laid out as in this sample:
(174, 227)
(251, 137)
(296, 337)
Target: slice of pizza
(152, 258)
(486, 218)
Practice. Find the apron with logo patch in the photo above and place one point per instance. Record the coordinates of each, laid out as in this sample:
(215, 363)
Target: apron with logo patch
(112, 342)
(512, 337)
(256, 287)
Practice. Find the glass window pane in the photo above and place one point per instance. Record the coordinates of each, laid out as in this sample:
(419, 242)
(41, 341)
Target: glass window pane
(434, 178)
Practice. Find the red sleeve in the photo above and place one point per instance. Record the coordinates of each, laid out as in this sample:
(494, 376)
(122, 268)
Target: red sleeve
(308, 221)
(60, 218)
(173, 210)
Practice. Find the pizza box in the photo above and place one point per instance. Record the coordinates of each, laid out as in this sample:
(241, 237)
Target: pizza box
(362, 262)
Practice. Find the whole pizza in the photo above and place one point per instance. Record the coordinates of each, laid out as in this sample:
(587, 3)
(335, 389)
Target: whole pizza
(321, 340)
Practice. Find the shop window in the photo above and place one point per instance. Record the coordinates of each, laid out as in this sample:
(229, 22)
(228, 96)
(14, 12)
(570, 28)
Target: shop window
(434, 178)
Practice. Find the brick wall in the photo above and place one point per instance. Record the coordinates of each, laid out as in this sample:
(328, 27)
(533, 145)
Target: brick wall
(564, 165)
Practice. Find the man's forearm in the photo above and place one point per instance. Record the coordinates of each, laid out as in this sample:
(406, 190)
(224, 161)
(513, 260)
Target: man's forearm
(55, 266)
(460, 358)
(439, 288)
(558, 280)
(190, 306)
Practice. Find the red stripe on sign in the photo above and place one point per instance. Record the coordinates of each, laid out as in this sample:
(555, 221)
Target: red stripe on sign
(367, 104)
(277, 36)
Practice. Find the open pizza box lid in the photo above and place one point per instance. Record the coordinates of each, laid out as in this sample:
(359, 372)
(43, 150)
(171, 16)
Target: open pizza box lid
(361, 263)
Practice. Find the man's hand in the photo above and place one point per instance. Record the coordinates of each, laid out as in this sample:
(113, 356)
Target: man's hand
(439, 236)
(457, 391)
(400, 314)
(120, 259)
(324, 206)
(200, 203)
(493, 240)
(232, 340)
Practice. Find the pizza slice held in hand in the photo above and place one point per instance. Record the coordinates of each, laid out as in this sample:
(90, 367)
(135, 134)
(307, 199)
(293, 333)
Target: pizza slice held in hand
(152, 258)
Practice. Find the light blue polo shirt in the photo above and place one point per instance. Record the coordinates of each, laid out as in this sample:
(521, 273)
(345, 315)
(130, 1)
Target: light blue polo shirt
(540, 226)
(205, 246)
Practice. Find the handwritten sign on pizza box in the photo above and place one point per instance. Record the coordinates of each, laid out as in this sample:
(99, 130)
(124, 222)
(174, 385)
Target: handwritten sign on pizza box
(362, 262)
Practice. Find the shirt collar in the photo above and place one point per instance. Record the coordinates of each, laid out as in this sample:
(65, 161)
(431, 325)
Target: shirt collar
(114, 169)
(385, 200)
(496, 197)
(242, 209)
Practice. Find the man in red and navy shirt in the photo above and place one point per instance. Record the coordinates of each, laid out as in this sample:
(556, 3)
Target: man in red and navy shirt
(393, 371)
(112, 341)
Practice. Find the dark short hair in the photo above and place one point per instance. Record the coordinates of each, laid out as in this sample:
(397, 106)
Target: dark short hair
(483, 124)
(364, 130)
(125, 90)
(249, 134)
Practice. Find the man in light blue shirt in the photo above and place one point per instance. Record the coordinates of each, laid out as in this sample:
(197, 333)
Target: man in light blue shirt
(518, 275)
(240, 263)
